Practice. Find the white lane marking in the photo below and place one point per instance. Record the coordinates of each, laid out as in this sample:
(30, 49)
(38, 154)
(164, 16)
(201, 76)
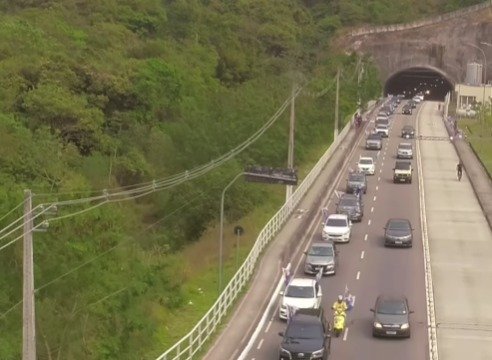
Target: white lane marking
(377, 187)
(345, 334)
(380, 171)
(362, 254)
(268, 326)
(259, 345)
(379, 178)
(358, 275)
(382, 164)
(365, 237)
(374, 198)
(372, 209)
(369, 222)
(353, 301)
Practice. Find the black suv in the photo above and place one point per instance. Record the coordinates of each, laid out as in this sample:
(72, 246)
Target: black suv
(352, 206)
(407, 109)
(307, 336)
(356, 180)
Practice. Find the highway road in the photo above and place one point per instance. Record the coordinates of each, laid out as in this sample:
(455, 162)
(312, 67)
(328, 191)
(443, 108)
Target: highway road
(366, 266)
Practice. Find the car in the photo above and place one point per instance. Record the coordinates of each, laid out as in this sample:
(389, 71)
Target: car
(382, 116)
(407, 109)
(398, 232)
(300, 293)
(352, 206)
(356, 180)
(391, 316)
(366, 165)
(307, 336)
(417, 99)
(402, 172)
(337, 228)
(404, 151)
(407, 132)
(382, 129)
(374, 141)
(321, 255)
(412, 103)
(386, 110)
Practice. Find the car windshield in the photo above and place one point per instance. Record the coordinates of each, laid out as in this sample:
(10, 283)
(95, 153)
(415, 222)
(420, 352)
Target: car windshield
(374, 137)
(400, 165)
(321, 251)
(398, 225)
(392, 307)
(347, 202)
(405, 146)
(336, 222)
(304, 331)
(407, 128)
(305, 292)
(365, 161)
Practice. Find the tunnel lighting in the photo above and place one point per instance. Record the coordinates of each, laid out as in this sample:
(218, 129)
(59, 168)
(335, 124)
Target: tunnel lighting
(427, 92)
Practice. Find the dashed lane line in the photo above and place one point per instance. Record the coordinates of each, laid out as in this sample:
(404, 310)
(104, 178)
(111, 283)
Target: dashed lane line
(345, 334)
(377, 186)
(358, 275)
(372, 209)
(268, 326)
(379, 178)
(365, 237)
(369, 223)
(259, 345)
(374, 198)
(362, 254)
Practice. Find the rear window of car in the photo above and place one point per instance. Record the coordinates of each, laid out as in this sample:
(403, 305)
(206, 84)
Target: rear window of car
(305, 292)
(336, 222)
(407, 128)
(304, 330)
(321, 251)
(366, 161)
(357, 177)
(400, 165)
(347, 202)
(398, 225)
(405, 147)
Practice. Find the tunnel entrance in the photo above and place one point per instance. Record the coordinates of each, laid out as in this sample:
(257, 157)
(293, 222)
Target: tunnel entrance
(411, 81)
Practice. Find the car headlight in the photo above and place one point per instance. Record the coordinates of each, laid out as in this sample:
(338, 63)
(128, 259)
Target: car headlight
(405, 326)
(378, 325)
(318, 353)
(284, 352)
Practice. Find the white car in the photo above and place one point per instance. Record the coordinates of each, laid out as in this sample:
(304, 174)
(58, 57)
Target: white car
(366, 165)
(337, 228)
(404, 151)
(382, 129)
(300, 293)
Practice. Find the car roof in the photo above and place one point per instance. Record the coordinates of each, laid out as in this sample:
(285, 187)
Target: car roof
(357, 174)
(349, 196)
(399, 220)
(338, 216)
(405, 143)
(407, 127)
(322, 244)
(302, 282)
(366, 158)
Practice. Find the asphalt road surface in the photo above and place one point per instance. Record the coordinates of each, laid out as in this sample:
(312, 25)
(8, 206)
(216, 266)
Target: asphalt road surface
(367, 267)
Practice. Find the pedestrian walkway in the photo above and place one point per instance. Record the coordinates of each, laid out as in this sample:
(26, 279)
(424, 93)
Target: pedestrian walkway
(460, 243)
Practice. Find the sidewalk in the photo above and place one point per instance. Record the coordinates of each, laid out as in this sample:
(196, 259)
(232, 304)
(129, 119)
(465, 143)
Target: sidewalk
(460, 242)
(236, 334)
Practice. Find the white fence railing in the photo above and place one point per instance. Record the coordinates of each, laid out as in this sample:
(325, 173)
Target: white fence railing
(420, 23)
(191, 343)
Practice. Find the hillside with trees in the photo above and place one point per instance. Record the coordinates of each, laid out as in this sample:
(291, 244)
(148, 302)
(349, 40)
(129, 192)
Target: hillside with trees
(99, 95)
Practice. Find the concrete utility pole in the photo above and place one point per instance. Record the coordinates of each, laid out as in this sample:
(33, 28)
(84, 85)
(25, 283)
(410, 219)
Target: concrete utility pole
(28, 314)
(290, 153)
(335, 131)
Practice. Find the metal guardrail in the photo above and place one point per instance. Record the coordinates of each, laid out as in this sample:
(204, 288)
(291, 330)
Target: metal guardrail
(420, 23)
(191, 343)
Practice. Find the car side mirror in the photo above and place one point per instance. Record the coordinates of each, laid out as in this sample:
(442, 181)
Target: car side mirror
(327, 336)
(281, 333)
(411, 312)
(372, 310)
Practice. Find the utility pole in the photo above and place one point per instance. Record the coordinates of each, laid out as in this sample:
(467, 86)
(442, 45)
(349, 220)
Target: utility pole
(28, 313)
(290, 153)
(335, 131)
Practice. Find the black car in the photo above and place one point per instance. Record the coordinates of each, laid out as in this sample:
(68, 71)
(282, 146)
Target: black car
(412, 103)
(352, 206)
(391, 316)
(407, 109)
(408, 132)
(357, 180)
(307, 336)
(398, 232)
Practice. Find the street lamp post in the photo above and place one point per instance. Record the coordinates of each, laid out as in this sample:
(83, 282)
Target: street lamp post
(221, 236)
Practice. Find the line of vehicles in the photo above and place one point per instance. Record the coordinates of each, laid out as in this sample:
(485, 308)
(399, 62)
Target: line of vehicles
(308, 332)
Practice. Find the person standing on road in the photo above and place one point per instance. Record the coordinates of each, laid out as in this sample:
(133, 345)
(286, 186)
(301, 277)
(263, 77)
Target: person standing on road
(459, 170)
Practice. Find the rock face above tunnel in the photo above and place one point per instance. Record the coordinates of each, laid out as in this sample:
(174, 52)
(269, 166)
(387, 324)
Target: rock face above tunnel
(443, 47)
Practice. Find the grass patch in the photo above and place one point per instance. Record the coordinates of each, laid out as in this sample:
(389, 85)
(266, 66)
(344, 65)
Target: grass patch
(479, 134)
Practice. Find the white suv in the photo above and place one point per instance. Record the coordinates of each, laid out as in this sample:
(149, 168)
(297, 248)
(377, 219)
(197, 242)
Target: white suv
(405, 151)
(337, 228)
(300, 293)
(382, 129)
(366, 165)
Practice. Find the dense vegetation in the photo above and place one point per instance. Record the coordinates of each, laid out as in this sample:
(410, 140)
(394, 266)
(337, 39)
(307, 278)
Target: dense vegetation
(105, 94)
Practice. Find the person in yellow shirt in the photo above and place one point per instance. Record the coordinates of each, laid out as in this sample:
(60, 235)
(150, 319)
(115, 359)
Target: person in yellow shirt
(340, 304)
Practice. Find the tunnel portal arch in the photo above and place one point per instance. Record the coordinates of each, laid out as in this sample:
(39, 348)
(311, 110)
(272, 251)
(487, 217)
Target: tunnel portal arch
(430, 81)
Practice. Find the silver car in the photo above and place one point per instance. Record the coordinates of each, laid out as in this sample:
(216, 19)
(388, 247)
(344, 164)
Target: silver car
(321, 255)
